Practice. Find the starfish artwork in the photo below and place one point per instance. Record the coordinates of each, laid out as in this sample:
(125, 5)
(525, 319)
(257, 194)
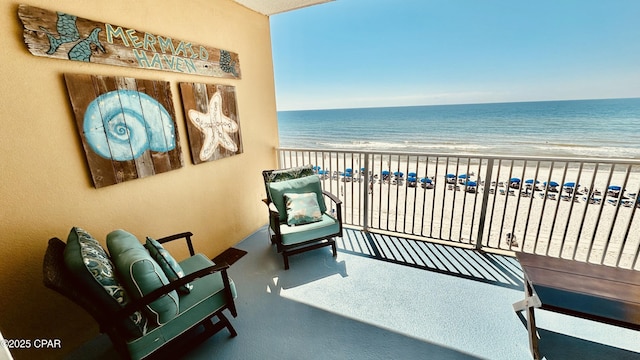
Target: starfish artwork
(216, 128)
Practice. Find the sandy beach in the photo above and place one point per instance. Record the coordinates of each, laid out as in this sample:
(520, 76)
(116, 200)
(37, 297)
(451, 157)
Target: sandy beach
(571, 222)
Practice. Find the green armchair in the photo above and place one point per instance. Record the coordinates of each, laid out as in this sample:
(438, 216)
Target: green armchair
(299, 219)
(139, 295)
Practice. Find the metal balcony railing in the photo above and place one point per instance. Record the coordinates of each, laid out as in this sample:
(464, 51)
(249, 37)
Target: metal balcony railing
(581, 209)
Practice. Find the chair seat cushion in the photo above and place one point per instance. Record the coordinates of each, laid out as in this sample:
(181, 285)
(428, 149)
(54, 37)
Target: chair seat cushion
(206, 297)
(298, 234)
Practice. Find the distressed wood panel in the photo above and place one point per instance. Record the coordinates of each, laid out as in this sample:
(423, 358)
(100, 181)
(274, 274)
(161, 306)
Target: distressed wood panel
(65, 36)
(127, 127)
(213, 124)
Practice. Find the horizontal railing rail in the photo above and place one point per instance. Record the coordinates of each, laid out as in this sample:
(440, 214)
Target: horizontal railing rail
(578, 208)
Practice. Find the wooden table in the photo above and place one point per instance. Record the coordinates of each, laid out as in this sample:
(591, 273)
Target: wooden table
(590, 291)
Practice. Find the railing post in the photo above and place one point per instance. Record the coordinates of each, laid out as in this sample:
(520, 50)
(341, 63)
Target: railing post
(365, 191)
(485, 203)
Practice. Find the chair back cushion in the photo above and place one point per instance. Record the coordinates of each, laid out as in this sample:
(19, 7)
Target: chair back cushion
(307, 184)
(141, 274)
(94, 272)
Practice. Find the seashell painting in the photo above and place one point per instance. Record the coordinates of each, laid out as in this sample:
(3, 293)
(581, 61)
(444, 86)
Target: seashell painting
(127, 127)
(211, 113)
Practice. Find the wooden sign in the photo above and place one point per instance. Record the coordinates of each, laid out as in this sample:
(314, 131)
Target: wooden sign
(211, 113)
(127, 127)
(64, 36)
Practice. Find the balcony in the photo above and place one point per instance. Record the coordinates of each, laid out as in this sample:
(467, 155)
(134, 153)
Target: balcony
(580, 209)
(388, 297)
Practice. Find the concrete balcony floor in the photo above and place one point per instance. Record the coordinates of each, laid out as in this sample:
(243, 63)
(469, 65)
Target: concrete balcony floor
(385, 297)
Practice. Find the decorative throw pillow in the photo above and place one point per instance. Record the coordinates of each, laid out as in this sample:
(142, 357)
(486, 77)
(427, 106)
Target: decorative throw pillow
(302, 208)
(90, 264)
(167, 263)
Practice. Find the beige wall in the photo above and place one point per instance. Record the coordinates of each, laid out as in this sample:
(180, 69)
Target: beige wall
(45, 184)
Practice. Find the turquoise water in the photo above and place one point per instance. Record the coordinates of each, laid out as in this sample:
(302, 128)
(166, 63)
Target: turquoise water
(576, 128)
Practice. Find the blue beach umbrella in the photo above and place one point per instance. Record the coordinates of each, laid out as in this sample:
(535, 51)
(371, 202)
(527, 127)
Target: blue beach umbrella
(531, 181)
(426, 180)
(471, 183)
(321, 172)
(385, 172)
(450, 176)
(615, 188)
(514, 180)
(317, 167)
(412, 174)
(570, 184)
(398, 173)
(463, 176)
(551, 183)
(412, 179)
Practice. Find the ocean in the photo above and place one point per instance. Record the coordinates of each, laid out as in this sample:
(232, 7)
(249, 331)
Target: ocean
(608, 128)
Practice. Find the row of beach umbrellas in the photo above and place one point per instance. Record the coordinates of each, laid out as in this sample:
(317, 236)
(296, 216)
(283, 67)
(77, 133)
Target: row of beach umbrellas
(413, 177)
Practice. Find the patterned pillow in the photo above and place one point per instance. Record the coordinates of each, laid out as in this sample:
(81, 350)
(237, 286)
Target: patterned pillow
(90, 264)
(290, 173)
(302, 208)
(169, 265)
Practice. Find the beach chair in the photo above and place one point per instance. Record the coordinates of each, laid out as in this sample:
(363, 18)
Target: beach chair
(299, 219)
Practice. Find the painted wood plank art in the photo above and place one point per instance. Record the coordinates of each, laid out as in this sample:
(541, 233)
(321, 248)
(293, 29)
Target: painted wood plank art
(64, 36)
(127, 126)
(211, 113)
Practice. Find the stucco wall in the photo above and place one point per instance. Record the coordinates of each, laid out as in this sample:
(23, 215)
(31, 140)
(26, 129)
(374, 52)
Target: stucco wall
(45, 186)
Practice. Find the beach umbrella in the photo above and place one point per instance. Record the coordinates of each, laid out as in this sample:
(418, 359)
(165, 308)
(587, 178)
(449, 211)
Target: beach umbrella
(551, 183)
(398, 173)
(426, 180)
(317, 167)
(514, 180)
(412, 179)
(321, 172)
(463, 176)
(385, 172)
(471, 183)
(348, 170)
(412, 174)
(450, 176)
(570, 184)
(615, 188)
(531, 181)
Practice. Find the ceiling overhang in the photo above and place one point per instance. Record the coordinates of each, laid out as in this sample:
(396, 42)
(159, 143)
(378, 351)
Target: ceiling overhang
(271, 7)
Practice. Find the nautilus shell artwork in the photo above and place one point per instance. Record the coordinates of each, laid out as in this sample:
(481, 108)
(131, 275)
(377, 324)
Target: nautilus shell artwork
(122, 124)
(212, 121)
(127, 127)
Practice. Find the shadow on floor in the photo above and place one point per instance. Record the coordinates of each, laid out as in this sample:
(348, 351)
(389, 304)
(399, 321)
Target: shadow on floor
(470, 264)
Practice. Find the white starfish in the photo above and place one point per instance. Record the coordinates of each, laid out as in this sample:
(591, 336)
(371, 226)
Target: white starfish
(215, 126)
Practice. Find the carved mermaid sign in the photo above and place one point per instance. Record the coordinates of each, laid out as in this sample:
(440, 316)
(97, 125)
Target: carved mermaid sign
(126, 125)
(64, 36)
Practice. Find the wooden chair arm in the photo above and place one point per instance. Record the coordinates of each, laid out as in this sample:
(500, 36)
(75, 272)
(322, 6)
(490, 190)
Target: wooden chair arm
(333, 197)
(185, 235)
(139, 304)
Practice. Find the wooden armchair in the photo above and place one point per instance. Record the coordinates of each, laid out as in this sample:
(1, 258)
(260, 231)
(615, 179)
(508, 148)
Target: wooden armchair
(298, 215)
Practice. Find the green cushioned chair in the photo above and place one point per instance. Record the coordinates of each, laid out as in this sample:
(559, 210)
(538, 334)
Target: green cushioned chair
(128, 294)
(299, 220)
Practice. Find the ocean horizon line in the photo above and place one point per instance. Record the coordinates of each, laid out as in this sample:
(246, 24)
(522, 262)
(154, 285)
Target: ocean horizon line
(459, 104)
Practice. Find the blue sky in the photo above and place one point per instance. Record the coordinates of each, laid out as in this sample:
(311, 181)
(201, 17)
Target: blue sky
(370, 53)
